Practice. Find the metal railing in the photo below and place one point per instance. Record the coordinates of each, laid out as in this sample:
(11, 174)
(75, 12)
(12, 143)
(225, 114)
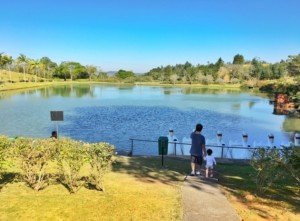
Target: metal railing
(223, 146)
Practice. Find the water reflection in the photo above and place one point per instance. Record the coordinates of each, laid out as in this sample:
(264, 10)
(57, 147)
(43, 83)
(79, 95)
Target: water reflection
(115, 113)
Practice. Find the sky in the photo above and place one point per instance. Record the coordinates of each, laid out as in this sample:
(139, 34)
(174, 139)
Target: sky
(139, 35)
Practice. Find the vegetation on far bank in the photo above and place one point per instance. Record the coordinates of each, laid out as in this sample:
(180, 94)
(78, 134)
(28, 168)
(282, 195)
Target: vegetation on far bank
(269, 77)
(249, 72)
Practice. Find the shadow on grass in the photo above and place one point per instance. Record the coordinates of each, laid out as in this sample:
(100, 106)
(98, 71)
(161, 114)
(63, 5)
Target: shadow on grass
(239, 181)
(149, 169)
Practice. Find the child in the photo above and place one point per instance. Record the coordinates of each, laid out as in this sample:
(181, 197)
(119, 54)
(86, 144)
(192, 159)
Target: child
(210, 162)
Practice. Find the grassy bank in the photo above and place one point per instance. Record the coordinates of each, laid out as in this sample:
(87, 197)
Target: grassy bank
(23, 85)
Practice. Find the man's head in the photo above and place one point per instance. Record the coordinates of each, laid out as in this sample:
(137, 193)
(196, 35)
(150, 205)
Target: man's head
(199, 127)
(171, 132)
(209, 152)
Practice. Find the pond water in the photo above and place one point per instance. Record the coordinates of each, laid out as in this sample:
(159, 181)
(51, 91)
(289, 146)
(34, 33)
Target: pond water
(114, 114)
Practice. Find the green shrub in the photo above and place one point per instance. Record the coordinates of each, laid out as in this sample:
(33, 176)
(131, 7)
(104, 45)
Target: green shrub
(291, 162)
(71, 158)
(33, 157)
(100, 159)
(268, 166)
(4, 146)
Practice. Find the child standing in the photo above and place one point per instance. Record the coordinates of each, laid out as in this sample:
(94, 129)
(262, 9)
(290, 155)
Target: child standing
(210, 162)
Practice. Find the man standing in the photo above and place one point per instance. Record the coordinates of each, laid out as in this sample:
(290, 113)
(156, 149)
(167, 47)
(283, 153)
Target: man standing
(197, 150)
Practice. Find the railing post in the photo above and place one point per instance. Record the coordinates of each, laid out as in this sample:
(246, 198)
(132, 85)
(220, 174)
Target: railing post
(131, 150)
(222, 150)
(175, 148)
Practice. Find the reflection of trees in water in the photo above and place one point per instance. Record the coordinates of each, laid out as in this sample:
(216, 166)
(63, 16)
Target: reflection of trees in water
(195, 90)
(68, 91)
(291, 124)
(125, 88)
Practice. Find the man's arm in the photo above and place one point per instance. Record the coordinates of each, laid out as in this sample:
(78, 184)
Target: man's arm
(203, 150)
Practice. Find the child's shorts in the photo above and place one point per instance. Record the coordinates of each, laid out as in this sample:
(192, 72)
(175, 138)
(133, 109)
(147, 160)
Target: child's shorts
(209, 167)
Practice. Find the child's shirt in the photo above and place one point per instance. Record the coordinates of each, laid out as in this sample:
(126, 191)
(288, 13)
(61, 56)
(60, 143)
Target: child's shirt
(210, 161)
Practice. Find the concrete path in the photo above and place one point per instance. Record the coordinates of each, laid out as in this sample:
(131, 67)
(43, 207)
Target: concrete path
(203, 200)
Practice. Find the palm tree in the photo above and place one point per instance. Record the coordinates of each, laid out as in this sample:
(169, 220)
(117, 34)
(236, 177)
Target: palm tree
(5, 61)
(35, 66)
(9, 64)
(23, 61)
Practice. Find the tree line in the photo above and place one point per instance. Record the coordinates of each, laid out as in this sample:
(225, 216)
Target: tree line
(237, 71)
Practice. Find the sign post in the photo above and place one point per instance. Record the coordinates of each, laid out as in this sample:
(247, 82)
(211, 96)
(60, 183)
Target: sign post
(57, 116)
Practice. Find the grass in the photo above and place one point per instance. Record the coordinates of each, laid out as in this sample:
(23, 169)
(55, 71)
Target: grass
(138, 188)
(135, 189)
(280, 202)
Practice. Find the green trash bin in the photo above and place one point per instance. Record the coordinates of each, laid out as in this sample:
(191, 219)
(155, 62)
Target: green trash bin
(163, 145)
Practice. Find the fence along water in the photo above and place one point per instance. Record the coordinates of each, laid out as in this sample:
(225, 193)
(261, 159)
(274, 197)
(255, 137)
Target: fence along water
(220, 149)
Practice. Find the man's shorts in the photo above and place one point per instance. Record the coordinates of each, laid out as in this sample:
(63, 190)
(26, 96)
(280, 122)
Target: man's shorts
(196, 159)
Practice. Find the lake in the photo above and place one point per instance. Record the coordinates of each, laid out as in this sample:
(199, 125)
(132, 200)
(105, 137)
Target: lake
(113, 114)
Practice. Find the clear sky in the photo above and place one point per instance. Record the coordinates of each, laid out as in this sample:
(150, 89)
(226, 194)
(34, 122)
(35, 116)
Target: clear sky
(142, 34)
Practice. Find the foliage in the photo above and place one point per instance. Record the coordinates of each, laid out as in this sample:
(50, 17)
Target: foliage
(291, 162)
(4, 146)
(33, 158)
(71, 158)
(70, 69)
(238, 59)
(122, 74)
(91, 70)
(186, 73)
(268, 167)
(294, 65)
(100, 158)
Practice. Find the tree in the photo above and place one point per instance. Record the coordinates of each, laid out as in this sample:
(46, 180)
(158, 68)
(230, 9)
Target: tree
(238, 59)
(22, 60)
(47, 66)
(174, 78)
(5, 61)
(124, 74)
(9, 65)
(294, 65)
(72, 70)
(91, 70)
(219, 63)
(34, 65)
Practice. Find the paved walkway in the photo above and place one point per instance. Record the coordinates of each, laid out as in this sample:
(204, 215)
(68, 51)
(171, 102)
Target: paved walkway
(203, 200)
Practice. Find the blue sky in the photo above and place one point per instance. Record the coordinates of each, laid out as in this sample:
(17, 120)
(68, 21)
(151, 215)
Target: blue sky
(139, 35)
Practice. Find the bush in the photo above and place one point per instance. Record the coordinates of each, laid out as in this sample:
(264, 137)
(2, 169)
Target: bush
(4, 146)
(100, 159)
(267, 164)
(33, 157)
(234, 81)
(291, 162)
(272, 165)
(220, 81)
(71, 158)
